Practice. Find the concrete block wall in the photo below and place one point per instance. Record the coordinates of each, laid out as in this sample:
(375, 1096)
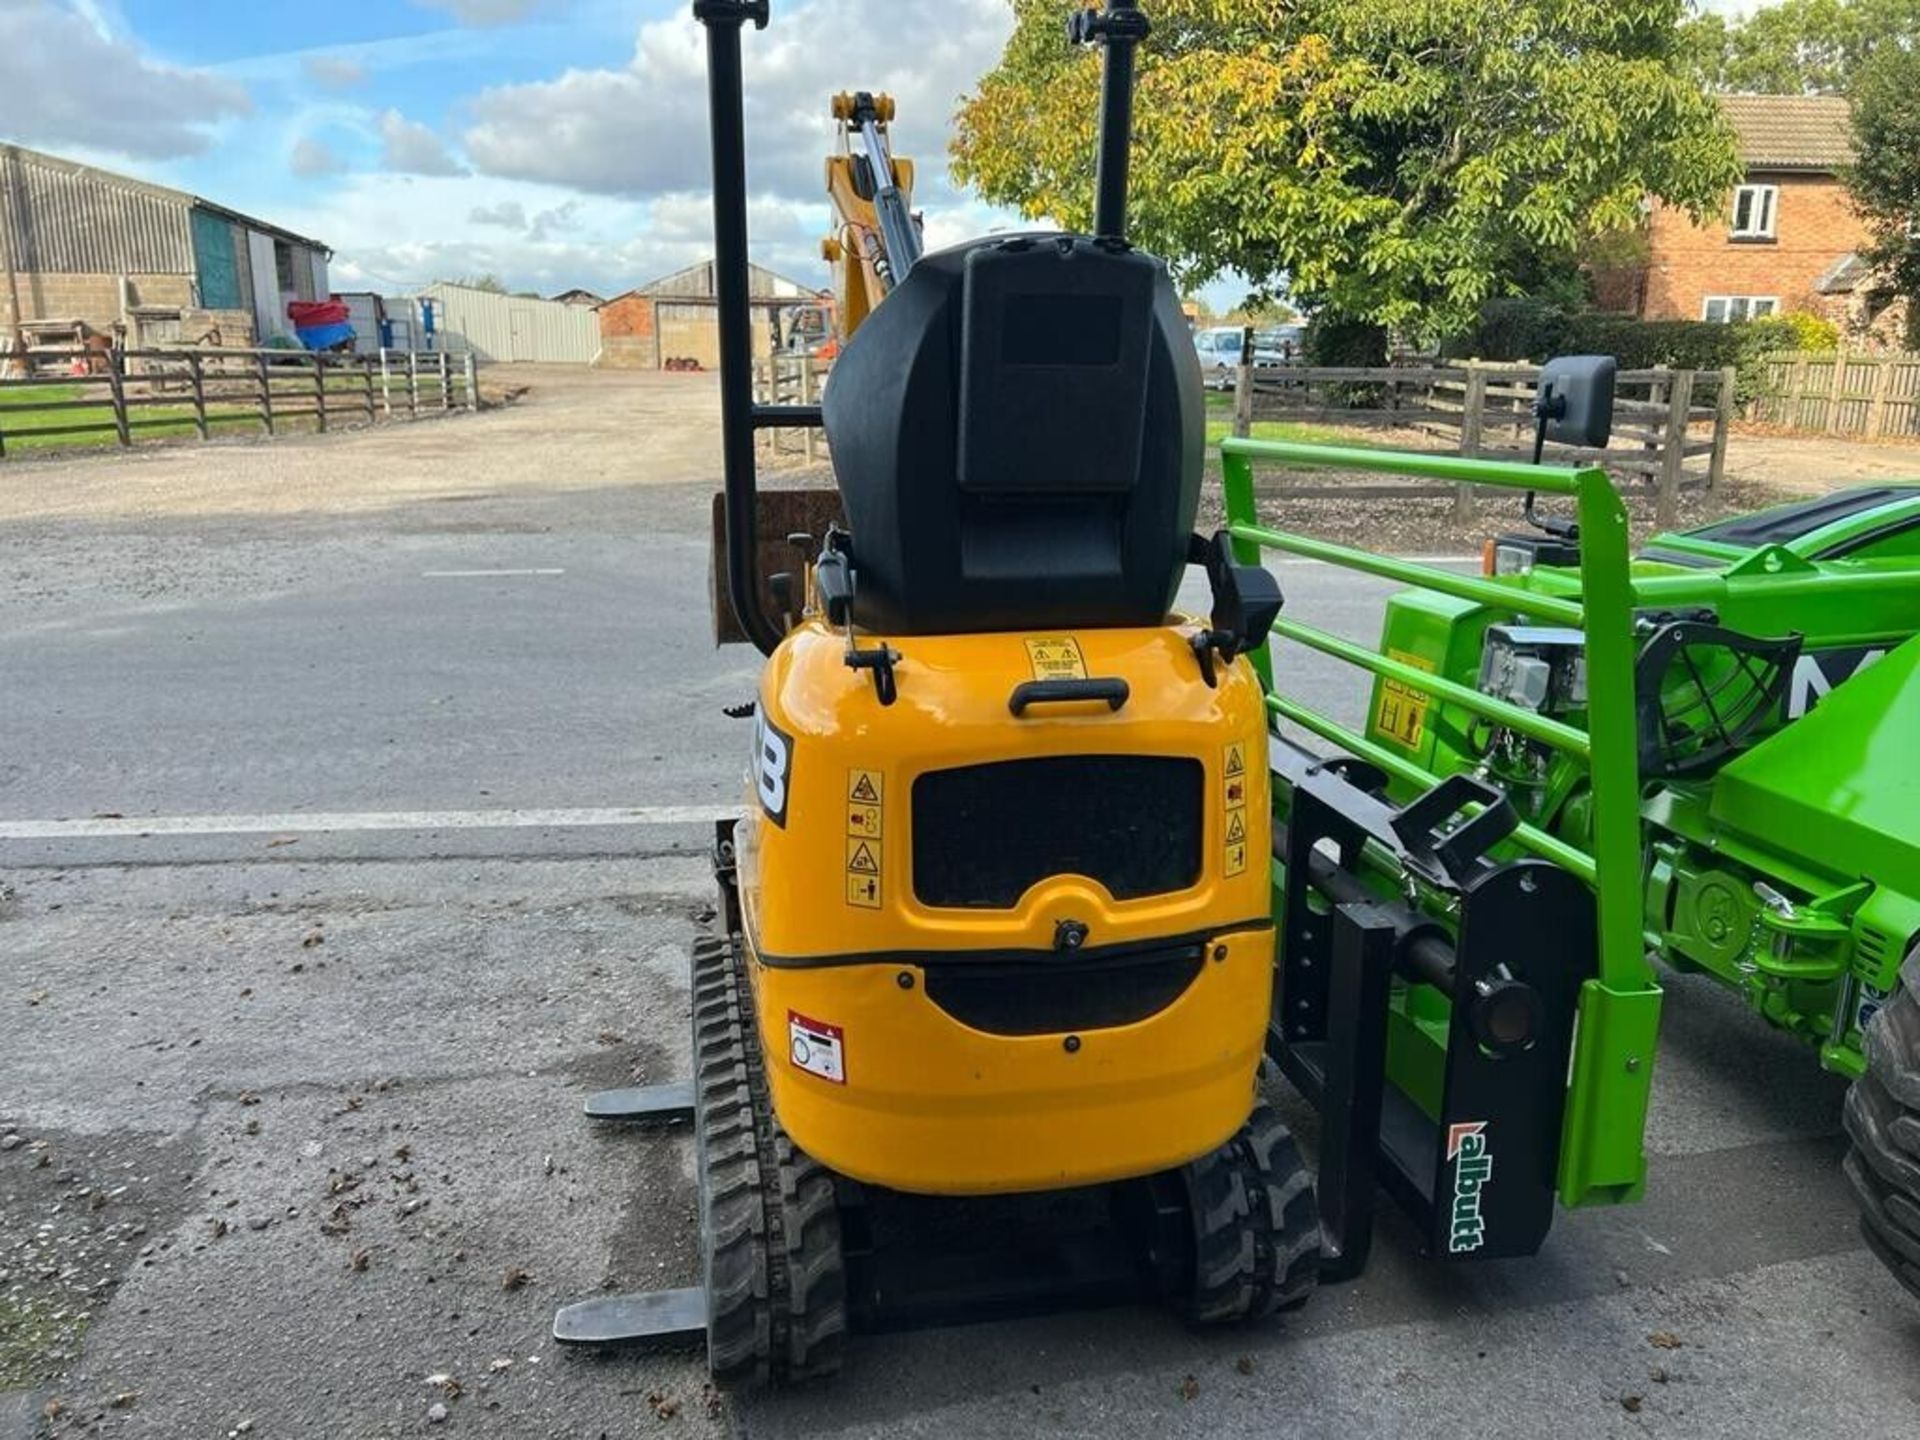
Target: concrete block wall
(93, 298)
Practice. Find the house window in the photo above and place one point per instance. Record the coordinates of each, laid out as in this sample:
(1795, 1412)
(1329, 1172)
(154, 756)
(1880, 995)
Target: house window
(283, 266)
(1724, 309)
(1753, 211)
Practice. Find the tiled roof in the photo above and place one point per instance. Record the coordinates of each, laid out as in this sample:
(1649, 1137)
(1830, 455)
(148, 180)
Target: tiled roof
(1791, 132)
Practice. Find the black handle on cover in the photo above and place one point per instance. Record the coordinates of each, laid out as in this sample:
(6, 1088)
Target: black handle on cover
(1114, 691)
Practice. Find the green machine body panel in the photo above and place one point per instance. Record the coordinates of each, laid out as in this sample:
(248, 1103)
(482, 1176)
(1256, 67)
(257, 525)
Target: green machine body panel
(1790, 870)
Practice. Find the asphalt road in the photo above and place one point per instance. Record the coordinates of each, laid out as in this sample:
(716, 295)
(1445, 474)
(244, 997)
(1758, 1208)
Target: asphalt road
(307, 1099)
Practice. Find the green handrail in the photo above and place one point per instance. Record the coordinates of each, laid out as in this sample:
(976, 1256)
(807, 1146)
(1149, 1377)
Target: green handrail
(1601, 1156)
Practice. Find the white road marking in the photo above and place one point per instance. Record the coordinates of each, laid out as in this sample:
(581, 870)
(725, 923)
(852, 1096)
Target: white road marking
(482, 574)
(316, 823)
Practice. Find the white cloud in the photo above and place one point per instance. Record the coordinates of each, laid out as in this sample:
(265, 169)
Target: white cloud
(333, 72)
(66, 81)
(557, 221)
(508, 214)
(392, 232)
(411, 148)
(484, 12)
(641, 130)
(312, 157)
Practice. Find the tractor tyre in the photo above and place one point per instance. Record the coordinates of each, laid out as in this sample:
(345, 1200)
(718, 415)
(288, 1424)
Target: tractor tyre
(769, 1224)
(1256, 1226)
(1882, 1120)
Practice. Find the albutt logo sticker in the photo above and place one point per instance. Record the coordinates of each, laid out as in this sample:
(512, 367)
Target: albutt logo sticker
(1472, 1169)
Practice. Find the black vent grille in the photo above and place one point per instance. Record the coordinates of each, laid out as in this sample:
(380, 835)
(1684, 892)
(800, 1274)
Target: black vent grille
(1050, 997)
(984, 834)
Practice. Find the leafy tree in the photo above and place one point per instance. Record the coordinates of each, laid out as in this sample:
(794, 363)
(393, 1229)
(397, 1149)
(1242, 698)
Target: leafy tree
(1796, 47)
(1885, 179)
(1396, 162)
(488, 282)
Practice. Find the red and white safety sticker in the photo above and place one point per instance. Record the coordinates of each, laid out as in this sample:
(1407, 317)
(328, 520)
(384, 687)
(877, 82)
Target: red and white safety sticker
(817, 1048)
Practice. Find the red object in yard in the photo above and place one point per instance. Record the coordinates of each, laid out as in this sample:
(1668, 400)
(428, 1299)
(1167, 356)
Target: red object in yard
(306, 314)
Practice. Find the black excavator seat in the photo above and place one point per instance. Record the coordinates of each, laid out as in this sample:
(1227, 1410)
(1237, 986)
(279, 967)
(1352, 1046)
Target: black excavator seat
(1018, 436)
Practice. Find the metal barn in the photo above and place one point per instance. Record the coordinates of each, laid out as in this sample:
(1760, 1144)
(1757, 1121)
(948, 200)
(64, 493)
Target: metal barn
(509, 327)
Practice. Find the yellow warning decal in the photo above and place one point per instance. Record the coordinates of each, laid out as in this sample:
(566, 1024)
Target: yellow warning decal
(1401, 711)
(1056, 657)
(1233, 782)
(864, 813)
(1233, 775)
(866, 825)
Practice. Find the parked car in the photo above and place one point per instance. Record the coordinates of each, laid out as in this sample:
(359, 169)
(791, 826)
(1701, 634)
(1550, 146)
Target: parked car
(1278, 346)
(1219, 350)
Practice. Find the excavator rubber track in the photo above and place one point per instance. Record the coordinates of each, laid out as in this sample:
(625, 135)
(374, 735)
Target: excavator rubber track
(776, 1283)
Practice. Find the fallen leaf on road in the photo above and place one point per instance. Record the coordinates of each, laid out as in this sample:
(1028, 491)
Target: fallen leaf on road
(125, 1400)
(1244, 1364)
(1190, 1388)
(1665, 1340)
(279, 840)
(358, 1260)
(516, 1278)
(1631, 1404)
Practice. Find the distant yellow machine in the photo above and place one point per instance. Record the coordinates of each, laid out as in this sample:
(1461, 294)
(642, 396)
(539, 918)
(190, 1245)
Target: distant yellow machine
(876, 238)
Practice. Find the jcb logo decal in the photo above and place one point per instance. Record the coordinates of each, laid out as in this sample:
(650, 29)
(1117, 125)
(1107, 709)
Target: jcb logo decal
(772, 768)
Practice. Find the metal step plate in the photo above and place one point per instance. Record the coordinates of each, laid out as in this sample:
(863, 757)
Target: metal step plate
(659, 1104)
(655, 1317)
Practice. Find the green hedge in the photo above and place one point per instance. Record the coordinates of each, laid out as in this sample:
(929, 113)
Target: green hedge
(1524, 329)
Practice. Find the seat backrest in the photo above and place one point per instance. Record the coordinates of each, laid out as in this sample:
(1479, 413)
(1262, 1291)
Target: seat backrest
(1018, 434)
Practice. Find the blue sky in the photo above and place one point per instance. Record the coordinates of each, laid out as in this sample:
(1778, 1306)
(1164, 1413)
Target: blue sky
(551, 142)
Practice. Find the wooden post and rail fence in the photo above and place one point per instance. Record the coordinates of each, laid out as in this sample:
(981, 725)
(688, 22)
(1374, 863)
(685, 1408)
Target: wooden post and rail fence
(1670, 426)
(119, 395)
(791, 380)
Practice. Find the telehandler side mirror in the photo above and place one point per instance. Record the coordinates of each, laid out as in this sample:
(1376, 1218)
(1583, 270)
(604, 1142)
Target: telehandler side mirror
(1574, 404)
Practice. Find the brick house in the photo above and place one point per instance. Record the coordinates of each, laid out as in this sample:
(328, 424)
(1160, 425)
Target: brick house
(1789, 240)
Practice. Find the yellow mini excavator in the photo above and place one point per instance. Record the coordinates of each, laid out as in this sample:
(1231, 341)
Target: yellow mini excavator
(998, 918)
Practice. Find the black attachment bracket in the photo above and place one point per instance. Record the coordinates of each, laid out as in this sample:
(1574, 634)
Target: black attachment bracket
(1472, 1162)
(1443, 845)
(1364, 939)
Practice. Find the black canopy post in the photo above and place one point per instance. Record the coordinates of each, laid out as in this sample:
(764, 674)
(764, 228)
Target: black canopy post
(732, 286)
(1119, 27)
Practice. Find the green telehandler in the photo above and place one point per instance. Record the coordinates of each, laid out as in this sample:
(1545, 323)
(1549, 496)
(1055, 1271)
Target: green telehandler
(1769, 712)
